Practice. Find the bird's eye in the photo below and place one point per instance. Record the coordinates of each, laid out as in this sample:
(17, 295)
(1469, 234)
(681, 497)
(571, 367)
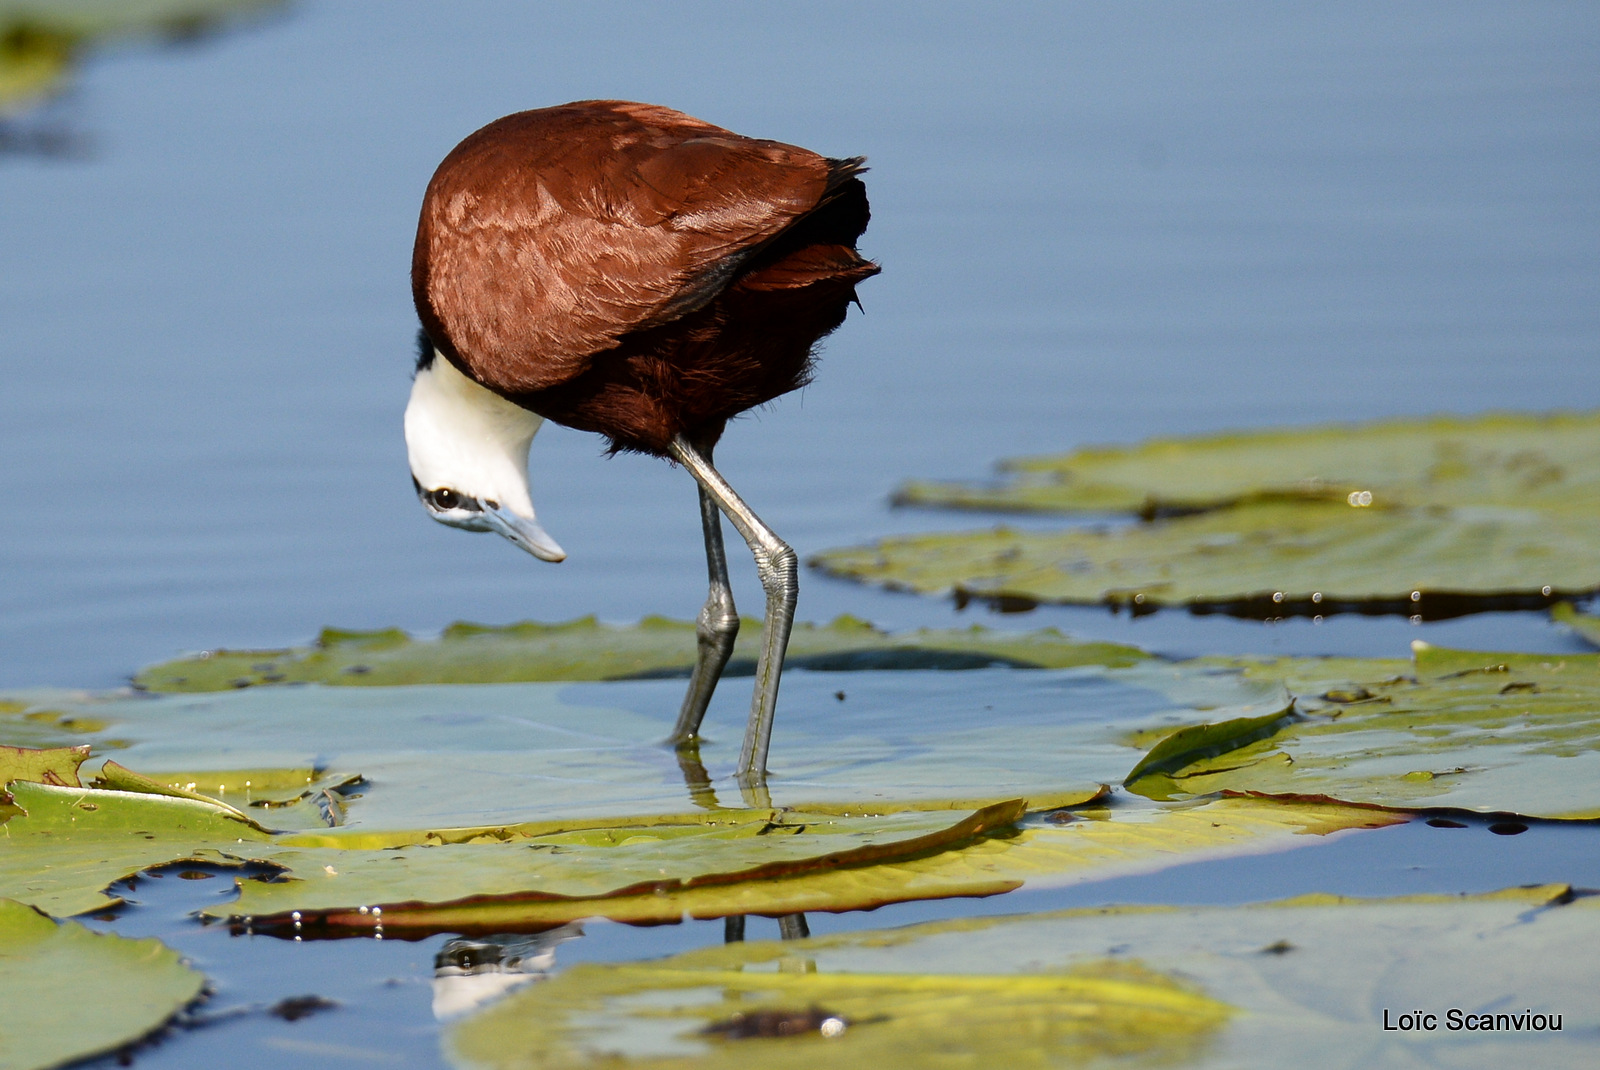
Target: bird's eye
(445, 498)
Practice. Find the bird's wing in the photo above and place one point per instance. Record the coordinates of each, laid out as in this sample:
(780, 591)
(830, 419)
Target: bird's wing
(548, 235)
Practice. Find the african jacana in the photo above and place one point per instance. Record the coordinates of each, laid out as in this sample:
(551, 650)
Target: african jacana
(626, 269)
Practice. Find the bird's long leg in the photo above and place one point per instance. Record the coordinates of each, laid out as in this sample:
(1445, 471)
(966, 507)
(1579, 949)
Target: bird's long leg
(779, 571)
(715, 629)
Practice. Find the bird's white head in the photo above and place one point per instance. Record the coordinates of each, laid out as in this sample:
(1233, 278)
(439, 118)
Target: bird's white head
(469, 457)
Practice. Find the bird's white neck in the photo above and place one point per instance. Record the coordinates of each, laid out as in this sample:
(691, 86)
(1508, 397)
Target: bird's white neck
(465, 437)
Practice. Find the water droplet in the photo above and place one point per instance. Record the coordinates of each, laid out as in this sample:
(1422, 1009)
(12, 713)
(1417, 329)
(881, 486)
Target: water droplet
(1316, 596)
(1416, 596)
(831, 1027)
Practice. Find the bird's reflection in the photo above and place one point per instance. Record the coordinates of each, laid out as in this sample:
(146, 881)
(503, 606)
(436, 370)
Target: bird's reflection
(471, 971)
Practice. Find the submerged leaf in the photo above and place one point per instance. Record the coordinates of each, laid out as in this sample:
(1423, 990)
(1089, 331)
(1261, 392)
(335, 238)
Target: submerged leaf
(1488, 732)
(585, 649)
(67, 993)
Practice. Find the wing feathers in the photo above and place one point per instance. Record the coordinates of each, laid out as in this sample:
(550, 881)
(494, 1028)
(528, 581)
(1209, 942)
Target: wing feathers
(547, 236)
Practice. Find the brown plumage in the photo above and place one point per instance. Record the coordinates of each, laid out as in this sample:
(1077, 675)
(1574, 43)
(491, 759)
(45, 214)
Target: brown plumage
(626, 269)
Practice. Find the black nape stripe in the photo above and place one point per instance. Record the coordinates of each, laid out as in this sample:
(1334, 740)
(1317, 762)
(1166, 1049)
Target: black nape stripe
(425, 350)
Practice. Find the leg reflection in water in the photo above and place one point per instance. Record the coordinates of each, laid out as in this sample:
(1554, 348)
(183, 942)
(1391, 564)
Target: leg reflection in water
(790, 927)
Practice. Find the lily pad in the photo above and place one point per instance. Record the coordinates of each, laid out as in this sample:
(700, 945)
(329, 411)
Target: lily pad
(1503, 459)
(54, 765)
(543, 882)
(67, 993)
(1263, 559)
(1586, 625)
(439, 757)
(508, 789)
(585, 649)
(69, 844)
(1432, 517)
(1488, 732)
(1302, 982)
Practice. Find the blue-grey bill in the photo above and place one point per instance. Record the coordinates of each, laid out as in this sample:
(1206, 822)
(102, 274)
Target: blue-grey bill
(525, 532)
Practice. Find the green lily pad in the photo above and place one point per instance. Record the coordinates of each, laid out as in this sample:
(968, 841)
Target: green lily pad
(67, 993)
(1435, 517)
(1586, 625)
(1493, 733)
(1263, 559)
(463, 786)
(585, 649)
(439, 757)
(1282, 984)
(69, 844)
(1502, 459)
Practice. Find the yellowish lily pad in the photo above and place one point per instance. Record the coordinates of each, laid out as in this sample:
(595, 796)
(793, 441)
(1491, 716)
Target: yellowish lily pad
(791, 863)
(1303, 982)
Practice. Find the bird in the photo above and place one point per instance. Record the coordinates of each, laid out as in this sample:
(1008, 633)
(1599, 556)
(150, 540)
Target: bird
(629, 270)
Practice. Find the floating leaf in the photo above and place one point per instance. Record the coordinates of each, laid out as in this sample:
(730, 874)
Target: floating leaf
(772, 859)
(662, 874)
(69, 844)
(585, 649)
(1586, 625)
(686, 1010)
(1489, 732)
(564, 790)
(1502, 459)
(55, 765)
(1265, 559)
(1432, 517)
(67, 993)
(120, 778)
(1312, 975)
(438, 757)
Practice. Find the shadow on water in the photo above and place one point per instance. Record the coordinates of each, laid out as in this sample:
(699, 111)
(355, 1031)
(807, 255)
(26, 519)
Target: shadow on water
(1419, 606)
